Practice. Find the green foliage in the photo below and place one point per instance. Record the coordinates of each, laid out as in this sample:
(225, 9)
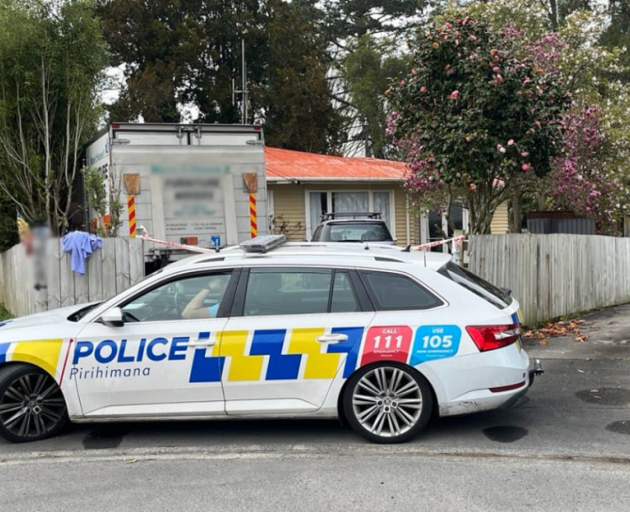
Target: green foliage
(4, 314)
(102, 199)
(617, 35)
(8, 224)
(364, 48)
(353, 19)
(51, 62)
(368, 70)
(186, 52)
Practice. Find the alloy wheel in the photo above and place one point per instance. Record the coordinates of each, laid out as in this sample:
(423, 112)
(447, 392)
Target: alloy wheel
(387, 402)
(32, 406)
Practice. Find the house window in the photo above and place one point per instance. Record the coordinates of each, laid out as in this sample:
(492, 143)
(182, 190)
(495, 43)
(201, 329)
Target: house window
(348, 202)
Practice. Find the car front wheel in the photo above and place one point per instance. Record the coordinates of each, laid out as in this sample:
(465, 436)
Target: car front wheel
(387, 402)
(32, 406)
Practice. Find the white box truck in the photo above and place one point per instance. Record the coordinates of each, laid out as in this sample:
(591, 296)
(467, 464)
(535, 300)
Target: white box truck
(192, 181)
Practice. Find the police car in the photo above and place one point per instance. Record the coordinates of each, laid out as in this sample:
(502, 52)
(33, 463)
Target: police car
(381, 337)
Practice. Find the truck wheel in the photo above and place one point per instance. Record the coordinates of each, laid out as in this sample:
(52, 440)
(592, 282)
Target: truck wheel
(32, 406)
(387, 402)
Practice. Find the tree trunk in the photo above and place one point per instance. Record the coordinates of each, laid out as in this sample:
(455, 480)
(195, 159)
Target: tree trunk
(553, 14)
(516, 213)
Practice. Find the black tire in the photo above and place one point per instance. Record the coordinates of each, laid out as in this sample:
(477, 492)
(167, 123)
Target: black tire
(32, 406)
(399, 411)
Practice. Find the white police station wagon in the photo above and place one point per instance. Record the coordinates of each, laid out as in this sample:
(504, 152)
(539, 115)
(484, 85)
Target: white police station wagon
(380, 337)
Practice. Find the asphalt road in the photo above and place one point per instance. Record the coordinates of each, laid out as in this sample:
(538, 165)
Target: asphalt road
(566, 447)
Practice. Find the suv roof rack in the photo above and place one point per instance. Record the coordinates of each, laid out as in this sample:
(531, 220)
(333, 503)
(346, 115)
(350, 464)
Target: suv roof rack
(354, 215)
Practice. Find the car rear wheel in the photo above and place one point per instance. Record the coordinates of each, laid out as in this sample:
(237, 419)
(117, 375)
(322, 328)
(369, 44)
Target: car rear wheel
(32, 406)
(387, 402)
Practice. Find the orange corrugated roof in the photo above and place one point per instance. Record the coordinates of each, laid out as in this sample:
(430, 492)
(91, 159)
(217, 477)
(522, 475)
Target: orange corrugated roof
(283, 164)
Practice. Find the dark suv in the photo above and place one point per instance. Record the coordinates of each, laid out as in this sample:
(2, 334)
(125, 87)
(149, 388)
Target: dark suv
(352, 227)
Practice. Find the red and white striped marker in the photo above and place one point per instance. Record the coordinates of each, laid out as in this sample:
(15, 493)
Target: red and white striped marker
(131, 209)
(253, 218)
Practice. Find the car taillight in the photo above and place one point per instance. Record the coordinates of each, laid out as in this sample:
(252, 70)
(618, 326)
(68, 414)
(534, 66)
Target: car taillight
(491, 337)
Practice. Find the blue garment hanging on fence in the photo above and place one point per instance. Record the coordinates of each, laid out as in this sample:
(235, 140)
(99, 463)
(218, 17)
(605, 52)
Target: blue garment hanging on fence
(81, 245)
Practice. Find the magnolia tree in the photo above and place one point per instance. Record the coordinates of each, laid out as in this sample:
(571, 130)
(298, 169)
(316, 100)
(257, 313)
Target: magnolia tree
(477, 118)
(581, 180)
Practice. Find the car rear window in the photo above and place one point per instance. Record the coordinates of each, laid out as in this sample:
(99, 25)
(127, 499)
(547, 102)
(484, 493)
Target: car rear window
(475, 284)
(359, 232)
(394, 292)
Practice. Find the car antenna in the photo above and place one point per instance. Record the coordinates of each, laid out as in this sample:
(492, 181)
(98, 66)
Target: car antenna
(407, 249)
(367, 247)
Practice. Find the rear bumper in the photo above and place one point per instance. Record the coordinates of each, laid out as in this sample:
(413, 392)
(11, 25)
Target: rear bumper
(473, 383)
(535, 370)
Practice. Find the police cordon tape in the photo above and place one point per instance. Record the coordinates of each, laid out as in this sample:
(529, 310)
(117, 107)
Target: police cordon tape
(193, 248)
(438, 243)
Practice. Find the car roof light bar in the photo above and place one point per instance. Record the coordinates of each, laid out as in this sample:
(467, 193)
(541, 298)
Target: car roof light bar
(263, 244)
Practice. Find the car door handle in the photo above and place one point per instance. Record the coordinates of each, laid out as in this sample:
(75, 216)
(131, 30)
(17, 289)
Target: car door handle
(332, 338)
(201, 343)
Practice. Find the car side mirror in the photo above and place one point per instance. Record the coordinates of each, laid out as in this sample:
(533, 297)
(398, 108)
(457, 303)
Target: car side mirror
(113, 318)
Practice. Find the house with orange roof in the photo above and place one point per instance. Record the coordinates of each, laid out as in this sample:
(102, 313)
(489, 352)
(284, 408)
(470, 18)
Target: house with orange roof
(303, 186)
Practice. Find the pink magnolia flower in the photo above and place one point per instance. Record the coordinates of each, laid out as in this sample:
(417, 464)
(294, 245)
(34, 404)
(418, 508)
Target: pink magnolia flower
(472, 186)
(525, 167)
(525, 153)
(454, 95)
(468, 139)
(501, 148)
(423, 89)
(496, 69)
(511, 142)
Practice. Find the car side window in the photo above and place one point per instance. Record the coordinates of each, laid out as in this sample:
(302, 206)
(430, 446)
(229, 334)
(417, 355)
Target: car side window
(395, 292)
(187, 298)
(343, 298)
(287, 291)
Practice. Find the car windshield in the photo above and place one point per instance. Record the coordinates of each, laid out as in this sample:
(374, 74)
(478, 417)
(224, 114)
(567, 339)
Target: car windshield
(359, 232)
(475, 284)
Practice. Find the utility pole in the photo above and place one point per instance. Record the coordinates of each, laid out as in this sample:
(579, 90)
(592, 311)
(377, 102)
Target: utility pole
(244, 92)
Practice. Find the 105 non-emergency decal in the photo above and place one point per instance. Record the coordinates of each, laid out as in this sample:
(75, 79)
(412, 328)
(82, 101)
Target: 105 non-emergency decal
(435, 342)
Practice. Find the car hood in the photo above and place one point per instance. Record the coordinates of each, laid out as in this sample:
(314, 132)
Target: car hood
(38, 326)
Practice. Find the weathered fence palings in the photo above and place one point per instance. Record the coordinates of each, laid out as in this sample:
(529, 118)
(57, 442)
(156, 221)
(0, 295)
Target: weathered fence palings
(115, 267)
(555, 275)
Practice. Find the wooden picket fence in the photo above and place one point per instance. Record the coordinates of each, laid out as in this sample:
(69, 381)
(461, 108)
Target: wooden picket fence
(555, 275)
(115, 267)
